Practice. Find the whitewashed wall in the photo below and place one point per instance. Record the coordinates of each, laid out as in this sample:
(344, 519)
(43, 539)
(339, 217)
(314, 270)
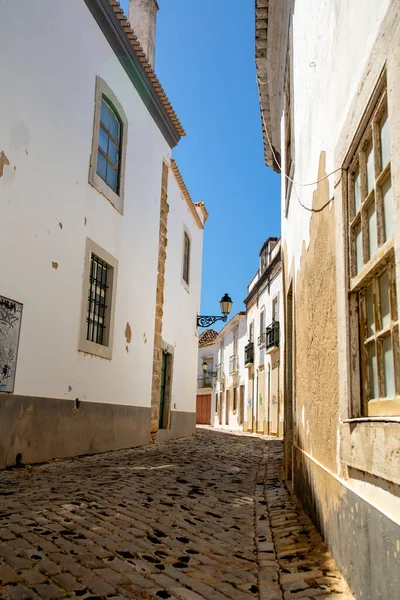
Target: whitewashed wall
(182, 303)
(46, 126)
(226, 338)
(327, 70)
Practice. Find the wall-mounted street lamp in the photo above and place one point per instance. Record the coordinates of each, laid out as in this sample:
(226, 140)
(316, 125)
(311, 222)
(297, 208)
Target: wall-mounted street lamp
(225, 304)
(204, 366)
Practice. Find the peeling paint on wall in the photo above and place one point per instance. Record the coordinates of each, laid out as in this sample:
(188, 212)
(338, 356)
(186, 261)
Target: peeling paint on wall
(54, 265)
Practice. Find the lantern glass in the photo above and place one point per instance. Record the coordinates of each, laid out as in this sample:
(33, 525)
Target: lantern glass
(204, 366)
(226, 304)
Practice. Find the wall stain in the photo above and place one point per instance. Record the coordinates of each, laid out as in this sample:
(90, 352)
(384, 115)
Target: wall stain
(54, 264)
(70, 388)
(127, 348)
(60, 225)
(3, 161)
(128, 333)
(85, 221)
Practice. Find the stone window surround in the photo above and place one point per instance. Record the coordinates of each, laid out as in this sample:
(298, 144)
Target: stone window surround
(84, 345)
(117, 200)
(185, 284)
(370, 438)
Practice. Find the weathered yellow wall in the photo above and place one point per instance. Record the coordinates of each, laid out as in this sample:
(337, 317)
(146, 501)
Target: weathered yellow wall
(316, 363)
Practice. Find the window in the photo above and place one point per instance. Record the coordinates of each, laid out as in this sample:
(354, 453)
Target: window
(251, 332)
(275, 311)
(107, 161)
(373, 304)
(186, 258)
(109, 150)
(261, 339)
(98, 301)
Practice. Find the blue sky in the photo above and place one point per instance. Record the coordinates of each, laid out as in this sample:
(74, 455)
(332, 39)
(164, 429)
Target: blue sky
(205, 62)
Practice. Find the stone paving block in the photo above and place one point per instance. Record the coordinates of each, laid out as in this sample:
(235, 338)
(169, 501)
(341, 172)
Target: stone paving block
(20, 592)
(47, 591)
(8, 575)
(98, 586)
(32, 576)
(67, 582)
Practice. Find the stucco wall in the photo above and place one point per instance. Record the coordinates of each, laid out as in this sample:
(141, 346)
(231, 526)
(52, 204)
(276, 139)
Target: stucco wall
(55, 50)
(182, 302)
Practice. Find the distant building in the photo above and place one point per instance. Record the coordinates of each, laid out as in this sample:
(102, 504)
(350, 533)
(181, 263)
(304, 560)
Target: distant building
(101, 285)
(264, 349)
(229, 406)
(206, 377)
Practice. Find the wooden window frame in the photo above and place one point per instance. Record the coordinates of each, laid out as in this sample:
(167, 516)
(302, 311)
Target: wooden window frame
(373, 266)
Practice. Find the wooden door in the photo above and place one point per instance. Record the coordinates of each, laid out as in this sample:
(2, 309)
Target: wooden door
(241, 405)
(203, 409)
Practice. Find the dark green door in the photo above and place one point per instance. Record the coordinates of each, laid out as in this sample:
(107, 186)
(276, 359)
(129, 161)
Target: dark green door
(162, 390)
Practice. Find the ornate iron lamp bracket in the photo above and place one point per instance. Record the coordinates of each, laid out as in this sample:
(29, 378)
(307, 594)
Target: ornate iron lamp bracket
(203, 321)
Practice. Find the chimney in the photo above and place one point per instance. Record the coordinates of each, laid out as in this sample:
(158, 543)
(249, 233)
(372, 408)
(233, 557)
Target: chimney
(142, 17)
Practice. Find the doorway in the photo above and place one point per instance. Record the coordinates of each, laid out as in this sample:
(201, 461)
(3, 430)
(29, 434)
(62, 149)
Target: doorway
(165, 391)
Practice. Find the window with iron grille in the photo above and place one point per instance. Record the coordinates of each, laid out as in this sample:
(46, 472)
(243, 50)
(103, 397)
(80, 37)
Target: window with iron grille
(373, 303)
(109, 145)
(97, 301)
(186, 258)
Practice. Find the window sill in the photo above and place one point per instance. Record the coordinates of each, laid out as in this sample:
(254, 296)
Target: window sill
(185, 285)
(100, 185)
(95, 349)
(373, 420)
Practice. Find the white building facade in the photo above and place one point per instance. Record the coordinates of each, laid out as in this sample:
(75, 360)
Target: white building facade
(206, 377)
(94, 225)
(229, 401)
(329, 84)
(264, 349)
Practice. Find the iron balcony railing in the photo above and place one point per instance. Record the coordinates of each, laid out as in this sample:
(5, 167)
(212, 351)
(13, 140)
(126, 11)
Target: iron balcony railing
(204, 381)
(249, 354)
(220, 372)
(272, 334)
(261, 339)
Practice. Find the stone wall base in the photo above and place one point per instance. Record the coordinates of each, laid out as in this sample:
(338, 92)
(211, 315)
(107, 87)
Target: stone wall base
(41, 429)
(183, 424)
(363, 541)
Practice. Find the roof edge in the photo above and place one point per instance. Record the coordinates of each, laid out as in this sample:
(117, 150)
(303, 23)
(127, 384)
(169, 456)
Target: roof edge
(116, 28)
(185, 194)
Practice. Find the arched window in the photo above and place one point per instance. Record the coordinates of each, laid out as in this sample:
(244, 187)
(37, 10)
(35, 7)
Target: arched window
(109, 145)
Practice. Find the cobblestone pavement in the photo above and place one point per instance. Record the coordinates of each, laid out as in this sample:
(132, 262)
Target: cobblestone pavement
(204, 517)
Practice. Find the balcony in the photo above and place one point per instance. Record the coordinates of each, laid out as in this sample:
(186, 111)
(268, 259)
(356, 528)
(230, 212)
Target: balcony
(220, 372)
(272, 336)
(249, 354)
(233, 364)
(204, 381)
(261, 339)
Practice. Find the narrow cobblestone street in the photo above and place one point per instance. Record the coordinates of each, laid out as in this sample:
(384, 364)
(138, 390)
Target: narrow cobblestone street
(204, 517)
